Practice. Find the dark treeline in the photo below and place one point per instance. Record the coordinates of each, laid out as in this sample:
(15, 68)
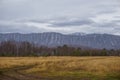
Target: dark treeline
(12, 48)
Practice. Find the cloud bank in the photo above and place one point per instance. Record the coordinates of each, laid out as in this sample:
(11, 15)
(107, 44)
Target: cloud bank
(63, 16)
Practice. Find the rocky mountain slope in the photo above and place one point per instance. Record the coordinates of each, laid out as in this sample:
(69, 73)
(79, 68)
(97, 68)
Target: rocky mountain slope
(56, 39)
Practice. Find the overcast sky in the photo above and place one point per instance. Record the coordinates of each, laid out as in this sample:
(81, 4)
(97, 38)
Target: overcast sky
(64, 16)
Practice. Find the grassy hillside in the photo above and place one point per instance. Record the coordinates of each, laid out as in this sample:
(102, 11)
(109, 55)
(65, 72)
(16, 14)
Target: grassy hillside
(59, 68)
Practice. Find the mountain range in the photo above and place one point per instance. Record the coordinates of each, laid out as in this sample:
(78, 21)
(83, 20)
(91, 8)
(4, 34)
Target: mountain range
(52, 39)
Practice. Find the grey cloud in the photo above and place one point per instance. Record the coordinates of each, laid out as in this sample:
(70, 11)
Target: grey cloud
(33, 20)
(109, 25)
(61, 21)
(15, 28)
(117, 17)
(116, 21)
(14, 9)
(44, 20)
(71, 23)
(109, 11)
(117, 30)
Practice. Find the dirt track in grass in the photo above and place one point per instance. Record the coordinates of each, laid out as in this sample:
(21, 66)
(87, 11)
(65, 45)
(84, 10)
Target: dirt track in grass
(59, 68)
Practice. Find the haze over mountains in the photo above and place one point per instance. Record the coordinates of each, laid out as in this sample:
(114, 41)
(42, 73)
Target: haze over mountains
(52, 39)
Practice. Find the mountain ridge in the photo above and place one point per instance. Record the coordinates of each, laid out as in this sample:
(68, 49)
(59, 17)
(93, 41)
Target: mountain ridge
(50, 39)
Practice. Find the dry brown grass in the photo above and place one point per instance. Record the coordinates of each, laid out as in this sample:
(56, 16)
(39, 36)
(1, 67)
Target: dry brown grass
(64, 66)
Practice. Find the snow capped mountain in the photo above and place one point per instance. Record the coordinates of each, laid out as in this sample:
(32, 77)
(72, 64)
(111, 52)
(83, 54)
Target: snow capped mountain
(77, 33)
(56, 39)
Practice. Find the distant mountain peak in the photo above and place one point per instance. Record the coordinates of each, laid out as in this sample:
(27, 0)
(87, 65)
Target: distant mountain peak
(79, 34)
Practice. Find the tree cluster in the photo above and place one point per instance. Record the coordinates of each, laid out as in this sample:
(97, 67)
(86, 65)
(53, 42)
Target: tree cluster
(12, 48)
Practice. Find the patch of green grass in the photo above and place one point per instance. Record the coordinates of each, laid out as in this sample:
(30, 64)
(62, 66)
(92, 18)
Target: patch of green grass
(113, 76)
(76, 75)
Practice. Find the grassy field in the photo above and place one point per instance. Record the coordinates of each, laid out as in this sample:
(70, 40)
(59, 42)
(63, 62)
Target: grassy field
(59, 68)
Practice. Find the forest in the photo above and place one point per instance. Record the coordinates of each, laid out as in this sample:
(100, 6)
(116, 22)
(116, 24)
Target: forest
(13, 48)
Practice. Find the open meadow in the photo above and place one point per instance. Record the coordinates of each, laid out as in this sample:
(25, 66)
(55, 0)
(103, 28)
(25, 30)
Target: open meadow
(60, 68)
